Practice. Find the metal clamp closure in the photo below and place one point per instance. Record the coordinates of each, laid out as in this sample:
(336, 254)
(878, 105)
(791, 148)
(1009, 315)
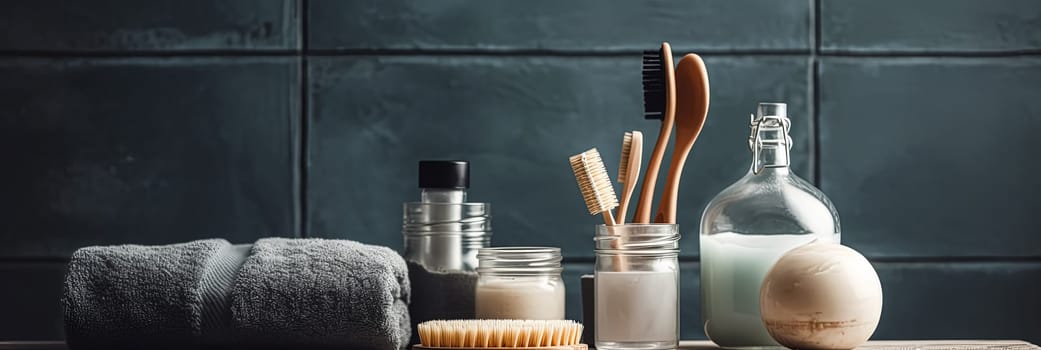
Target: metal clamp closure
(755, 143)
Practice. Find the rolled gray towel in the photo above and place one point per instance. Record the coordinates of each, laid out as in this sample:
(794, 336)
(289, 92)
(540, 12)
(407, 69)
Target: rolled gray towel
(131, 295)
(279, 293)
(322, 293)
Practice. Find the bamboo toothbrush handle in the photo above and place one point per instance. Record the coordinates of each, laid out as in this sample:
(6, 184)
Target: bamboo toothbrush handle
(619, 261)
(670, 194)
(623, 207)
(643, 206)
(608, 218)
(650, 178)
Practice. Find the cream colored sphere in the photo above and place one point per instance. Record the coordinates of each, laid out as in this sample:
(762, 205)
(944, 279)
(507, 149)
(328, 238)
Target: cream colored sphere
(821, 296)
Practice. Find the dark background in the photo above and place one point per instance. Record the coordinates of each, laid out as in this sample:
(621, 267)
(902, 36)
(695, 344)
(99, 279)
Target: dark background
(166, 121)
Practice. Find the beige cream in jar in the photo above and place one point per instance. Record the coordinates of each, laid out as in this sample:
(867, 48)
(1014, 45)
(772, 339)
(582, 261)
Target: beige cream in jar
(519, 283)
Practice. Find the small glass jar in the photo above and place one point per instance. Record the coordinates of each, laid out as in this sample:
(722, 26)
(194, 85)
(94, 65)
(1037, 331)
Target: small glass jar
(637, 286)
(521, 283)
(442, 233)
(445, 236)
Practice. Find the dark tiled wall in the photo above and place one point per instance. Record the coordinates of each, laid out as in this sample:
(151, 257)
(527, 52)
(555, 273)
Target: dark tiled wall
(165, 121)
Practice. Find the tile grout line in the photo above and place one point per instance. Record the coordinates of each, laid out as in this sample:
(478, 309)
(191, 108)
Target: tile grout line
(884, 260)
(475, 52)
(535, 52)
(930, 54)
(815, 36)
(591, 260)
(814, 85)
(305, 125)
(510, 53)
(816, 119)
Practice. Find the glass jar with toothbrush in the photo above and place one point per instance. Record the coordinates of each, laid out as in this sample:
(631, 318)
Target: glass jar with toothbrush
(636, 278)
(636, 286)
(748, 226)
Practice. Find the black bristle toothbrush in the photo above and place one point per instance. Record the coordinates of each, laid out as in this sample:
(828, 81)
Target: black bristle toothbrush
(659, 102)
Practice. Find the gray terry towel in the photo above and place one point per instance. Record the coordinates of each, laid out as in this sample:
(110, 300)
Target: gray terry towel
(322, 293)
(131, 295)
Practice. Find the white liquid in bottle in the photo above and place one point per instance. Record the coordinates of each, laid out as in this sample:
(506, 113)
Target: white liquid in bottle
(732, 270)
(748, 226)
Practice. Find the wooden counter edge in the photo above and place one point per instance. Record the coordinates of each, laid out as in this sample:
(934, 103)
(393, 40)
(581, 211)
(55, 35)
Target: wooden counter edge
(686, 344)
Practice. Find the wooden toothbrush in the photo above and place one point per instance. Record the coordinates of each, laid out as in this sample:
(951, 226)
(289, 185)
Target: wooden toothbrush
(659, 102)
(691, 111)
(595, 184)
(629, 170)
(598, 193)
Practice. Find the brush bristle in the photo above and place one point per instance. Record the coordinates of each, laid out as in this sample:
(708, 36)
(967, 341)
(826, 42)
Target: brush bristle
(594, 182)
(653, 84)
(499, 333)
(623, 165)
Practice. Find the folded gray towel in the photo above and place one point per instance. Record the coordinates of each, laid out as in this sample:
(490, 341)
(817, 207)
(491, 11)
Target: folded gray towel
(304, 293)
(319, 293)
(129, 294)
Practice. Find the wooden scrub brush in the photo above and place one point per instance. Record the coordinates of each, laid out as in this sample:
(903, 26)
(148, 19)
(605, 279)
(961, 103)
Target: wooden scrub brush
(502, 334)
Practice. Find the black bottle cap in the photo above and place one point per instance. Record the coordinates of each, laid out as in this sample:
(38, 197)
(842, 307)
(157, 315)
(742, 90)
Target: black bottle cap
(446, 174)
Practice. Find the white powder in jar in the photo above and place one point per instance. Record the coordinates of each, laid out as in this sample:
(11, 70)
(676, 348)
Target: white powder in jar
(637, 306)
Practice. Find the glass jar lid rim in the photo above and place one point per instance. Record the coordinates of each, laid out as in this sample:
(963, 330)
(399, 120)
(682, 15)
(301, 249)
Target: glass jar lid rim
(521, 249)
(509, 260)
(653, 224)
(437, 204)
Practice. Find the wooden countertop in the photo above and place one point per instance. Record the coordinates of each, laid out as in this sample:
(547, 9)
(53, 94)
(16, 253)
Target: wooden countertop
(908, 345)
(707, 345)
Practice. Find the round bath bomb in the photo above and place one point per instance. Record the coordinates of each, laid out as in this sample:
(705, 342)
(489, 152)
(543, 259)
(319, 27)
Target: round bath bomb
(821, 296)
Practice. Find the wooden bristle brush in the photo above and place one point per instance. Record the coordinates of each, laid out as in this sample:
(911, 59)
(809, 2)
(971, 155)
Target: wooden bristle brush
(595, 184)
(501, 334)
(629, 170)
